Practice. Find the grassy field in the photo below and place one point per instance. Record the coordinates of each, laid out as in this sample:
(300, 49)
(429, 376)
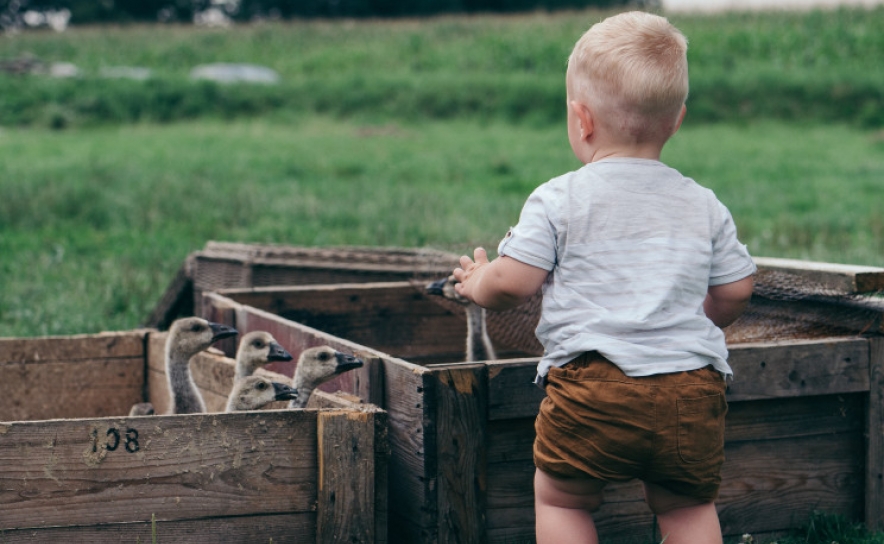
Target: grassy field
(96, 221)
(814, 65)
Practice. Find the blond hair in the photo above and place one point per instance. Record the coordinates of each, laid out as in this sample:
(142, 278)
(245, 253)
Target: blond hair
(632, 70)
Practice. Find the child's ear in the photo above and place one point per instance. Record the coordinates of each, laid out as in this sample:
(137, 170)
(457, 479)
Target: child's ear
(684, 110)
(584, 118)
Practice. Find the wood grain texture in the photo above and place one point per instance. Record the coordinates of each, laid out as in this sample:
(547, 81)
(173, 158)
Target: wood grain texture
(874, 484)
(461, 415)
(123, 344)
(289, 528)
(393, 317)
(82, 388)
(799, 368)
(178, 467)
(78, 376)
(346, 442)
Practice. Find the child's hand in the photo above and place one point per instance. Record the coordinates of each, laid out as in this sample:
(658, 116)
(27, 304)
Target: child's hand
(467, 270)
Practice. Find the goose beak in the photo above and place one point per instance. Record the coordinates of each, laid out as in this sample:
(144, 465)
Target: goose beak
(283, 392)
(435, 288)
(220, 331)
(278, 353)
(346, 362)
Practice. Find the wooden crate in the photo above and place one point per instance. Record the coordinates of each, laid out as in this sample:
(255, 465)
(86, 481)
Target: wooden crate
(75, 468)
(805, 429)
(221, 265)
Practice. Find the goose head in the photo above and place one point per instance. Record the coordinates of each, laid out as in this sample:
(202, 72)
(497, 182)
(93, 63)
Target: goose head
(322, 363)
(255, 392)
(256, 349)
(445, 288)
(316, 366)
(191, 335)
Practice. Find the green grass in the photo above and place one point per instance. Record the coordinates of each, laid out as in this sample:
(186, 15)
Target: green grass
(95, 222)
(814, 65)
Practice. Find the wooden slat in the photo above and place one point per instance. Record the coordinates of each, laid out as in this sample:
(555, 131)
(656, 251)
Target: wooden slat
(72, 348)
(874, 480)
(778, 483)
(289, 528)
(816, 367)
(461, 408)
(410, 394)
(179, 467)
(794, 417)
(379, 469)
(346, 497)
(80, 388)
(511, 389)
(807, 367)
(843, 278)
(391, 317)
(91, 375)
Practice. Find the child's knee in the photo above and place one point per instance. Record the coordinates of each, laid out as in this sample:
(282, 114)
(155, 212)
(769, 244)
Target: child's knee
(576, 493)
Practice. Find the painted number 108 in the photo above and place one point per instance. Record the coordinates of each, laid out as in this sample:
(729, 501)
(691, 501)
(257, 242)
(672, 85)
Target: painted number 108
(114, 438)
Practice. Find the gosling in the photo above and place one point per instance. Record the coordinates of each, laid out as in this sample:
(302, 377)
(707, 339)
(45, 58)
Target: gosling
(316, 366)
(187, 337)
(256, 349)
(479, 346)
(256, 392)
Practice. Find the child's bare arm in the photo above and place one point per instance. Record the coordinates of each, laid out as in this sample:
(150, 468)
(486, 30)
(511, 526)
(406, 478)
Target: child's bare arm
(724, 303)
(498, 285)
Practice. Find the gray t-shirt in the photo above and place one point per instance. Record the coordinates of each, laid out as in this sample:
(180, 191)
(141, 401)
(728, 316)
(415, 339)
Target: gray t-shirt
(632, 246)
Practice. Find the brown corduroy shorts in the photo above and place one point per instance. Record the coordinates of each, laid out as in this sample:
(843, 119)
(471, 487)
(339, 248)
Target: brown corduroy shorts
(666, 429)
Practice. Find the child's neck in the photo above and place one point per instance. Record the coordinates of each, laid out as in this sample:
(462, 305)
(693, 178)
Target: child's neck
(649, 151)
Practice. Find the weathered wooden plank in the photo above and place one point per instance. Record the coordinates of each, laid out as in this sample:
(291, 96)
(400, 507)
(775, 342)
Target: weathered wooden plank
(395, 261)
(346, 496)
(874, 481)
(778, 483)
(288, 528)
(178, 467)
(794, 417)
(511, 389)
(392, 317)
(809, 367)
(80, 388)
(844, 278)
(43, 349)
(410, 394)
(461, 407)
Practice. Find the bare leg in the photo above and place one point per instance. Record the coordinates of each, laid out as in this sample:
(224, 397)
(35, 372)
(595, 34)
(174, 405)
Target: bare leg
(683, 520)
(563, 509)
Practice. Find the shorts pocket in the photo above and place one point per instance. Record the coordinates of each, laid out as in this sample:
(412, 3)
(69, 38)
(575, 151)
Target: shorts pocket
(701, 427)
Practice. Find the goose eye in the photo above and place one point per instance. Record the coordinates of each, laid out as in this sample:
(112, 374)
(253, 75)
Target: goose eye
(258, 344)
(262, 386)
(324, 356)
(196, 327)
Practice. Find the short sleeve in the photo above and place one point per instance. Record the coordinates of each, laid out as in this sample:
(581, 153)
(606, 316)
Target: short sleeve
(533, 240)
(730, 259)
